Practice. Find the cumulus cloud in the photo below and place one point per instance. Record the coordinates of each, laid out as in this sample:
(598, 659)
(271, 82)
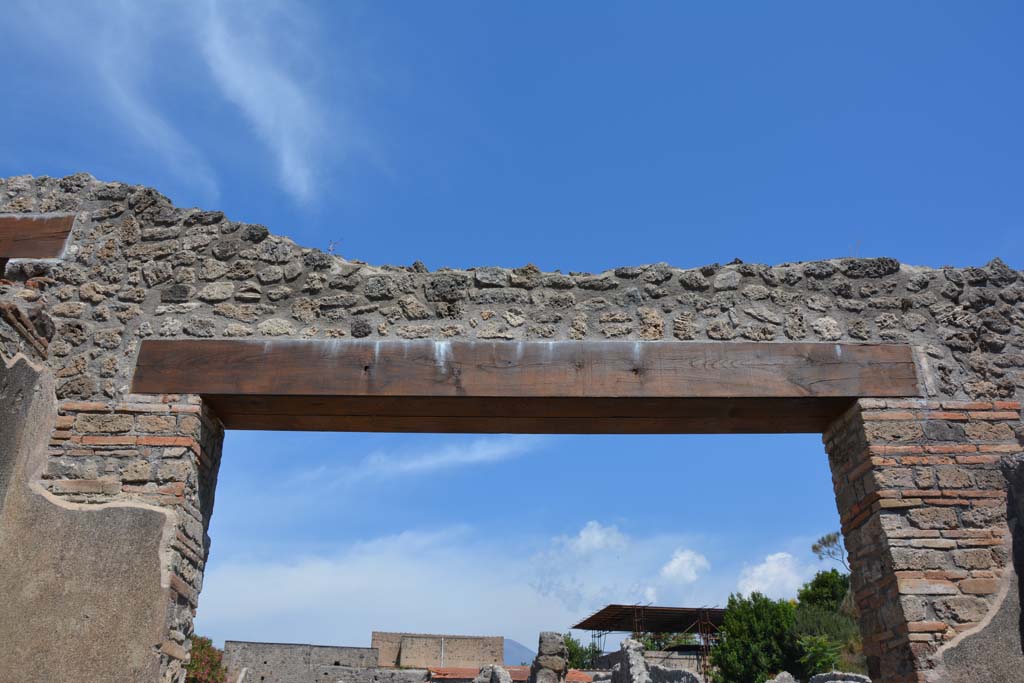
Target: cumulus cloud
(685, 566)
(778, 576)
(602, 564)
(388, 465)
(595, 537)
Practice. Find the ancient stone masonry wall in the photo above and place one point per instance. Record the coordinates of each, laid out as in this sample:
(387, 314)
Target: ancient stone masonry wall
(923, 506)
(137, 267)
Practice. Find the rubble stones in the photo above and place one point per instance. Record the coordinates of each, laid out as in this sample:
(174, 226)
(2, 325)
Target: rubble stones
(632, 667)
(839, 677)
(493, 673)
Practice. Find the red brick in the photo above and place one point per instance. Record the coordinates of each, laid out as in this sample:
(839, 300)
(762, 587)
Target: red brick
(979, 586)
(977, 459)
(927, 626)
(85, 407)
(141, 408)
(966, 405)
(951, 448)
(996, 415)
(169, 441)
(108, 440)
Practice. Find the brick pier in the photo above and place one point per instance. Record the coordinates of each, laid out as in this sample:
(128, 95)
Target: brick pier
(923, 508)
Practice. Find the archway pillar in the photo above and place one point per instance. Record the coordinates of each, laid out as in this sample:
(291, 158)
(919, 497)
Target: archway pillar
(923, 508)
(154, 451)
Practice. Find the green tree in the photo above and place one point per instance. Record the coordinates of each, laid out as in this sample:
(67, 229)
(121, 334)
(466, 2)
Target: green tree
(819, 654)
(826, 590)
(830, 547)
(206, 664)
(824, 617)
(757, 640)
(581, 656)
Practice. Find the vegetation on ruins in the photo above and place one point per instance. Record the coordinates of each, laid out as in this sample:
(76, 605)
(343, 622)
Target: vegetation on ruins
(581, 656)
(757, 640)
(815, 634)
(206, 664)
(820, 654)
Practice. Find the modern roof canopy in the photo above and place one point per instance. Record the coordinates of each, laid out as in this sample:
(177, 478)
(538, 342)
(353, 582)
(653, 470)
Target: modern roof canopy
(651, 619)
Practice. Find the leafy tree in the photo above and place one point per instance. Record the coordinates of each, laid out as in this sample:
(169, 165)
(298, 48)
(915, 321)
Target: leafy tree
(757, 640)
(830, 547)
(206, 664)
(820, 655)
(580, 656)
(823, 614)
(812, 620)
(664, 641)
(826, 590)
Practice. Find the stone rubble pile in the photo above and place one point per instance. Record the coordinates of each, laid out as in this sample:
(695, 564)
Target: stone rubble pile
(633, 668)
(833, 677)
(839, 677)
(492, 673)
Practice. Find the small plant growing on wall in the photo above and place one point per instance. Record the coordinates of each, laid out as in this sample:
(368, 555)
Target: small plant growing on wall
(206, 664)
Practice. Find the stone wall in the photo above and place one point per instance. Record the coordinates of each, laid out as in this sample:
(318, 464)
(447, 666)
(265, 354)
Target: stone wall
(420, 650)
(137, 267)
(294, 663)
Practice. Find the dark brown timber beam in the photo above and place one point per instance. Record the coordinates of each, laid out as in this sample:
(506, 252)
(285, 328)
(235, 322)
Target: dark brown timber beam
(567, 387)
(34, 236)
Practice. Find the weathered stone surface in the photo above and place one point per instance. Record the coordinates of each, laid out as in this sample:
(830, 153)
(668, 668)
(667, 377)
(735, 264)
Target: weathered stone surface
(552, 661)
(633, 667)
(72, 634)
(493, 673)
(839, 676)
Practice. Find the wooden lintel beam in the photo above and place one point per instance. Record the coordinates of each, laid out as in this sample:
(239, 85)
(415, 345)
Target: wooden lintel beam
(34, 236)
(525, 386)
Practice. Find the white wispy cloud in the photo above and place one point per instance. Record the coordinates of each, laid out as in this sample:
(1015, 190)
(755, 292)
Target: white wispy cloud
(387, 465)
(246, 46)
(778, 576)
(119, 58)
(254, 54)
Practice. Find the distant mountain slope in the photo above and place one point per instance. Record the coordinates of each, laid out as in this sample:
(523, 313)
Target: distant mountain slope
(516, 653)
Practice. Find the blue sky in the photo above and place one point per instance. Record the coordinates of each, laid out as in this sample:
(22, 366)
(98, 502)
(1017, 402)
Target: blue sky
(573, 135)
